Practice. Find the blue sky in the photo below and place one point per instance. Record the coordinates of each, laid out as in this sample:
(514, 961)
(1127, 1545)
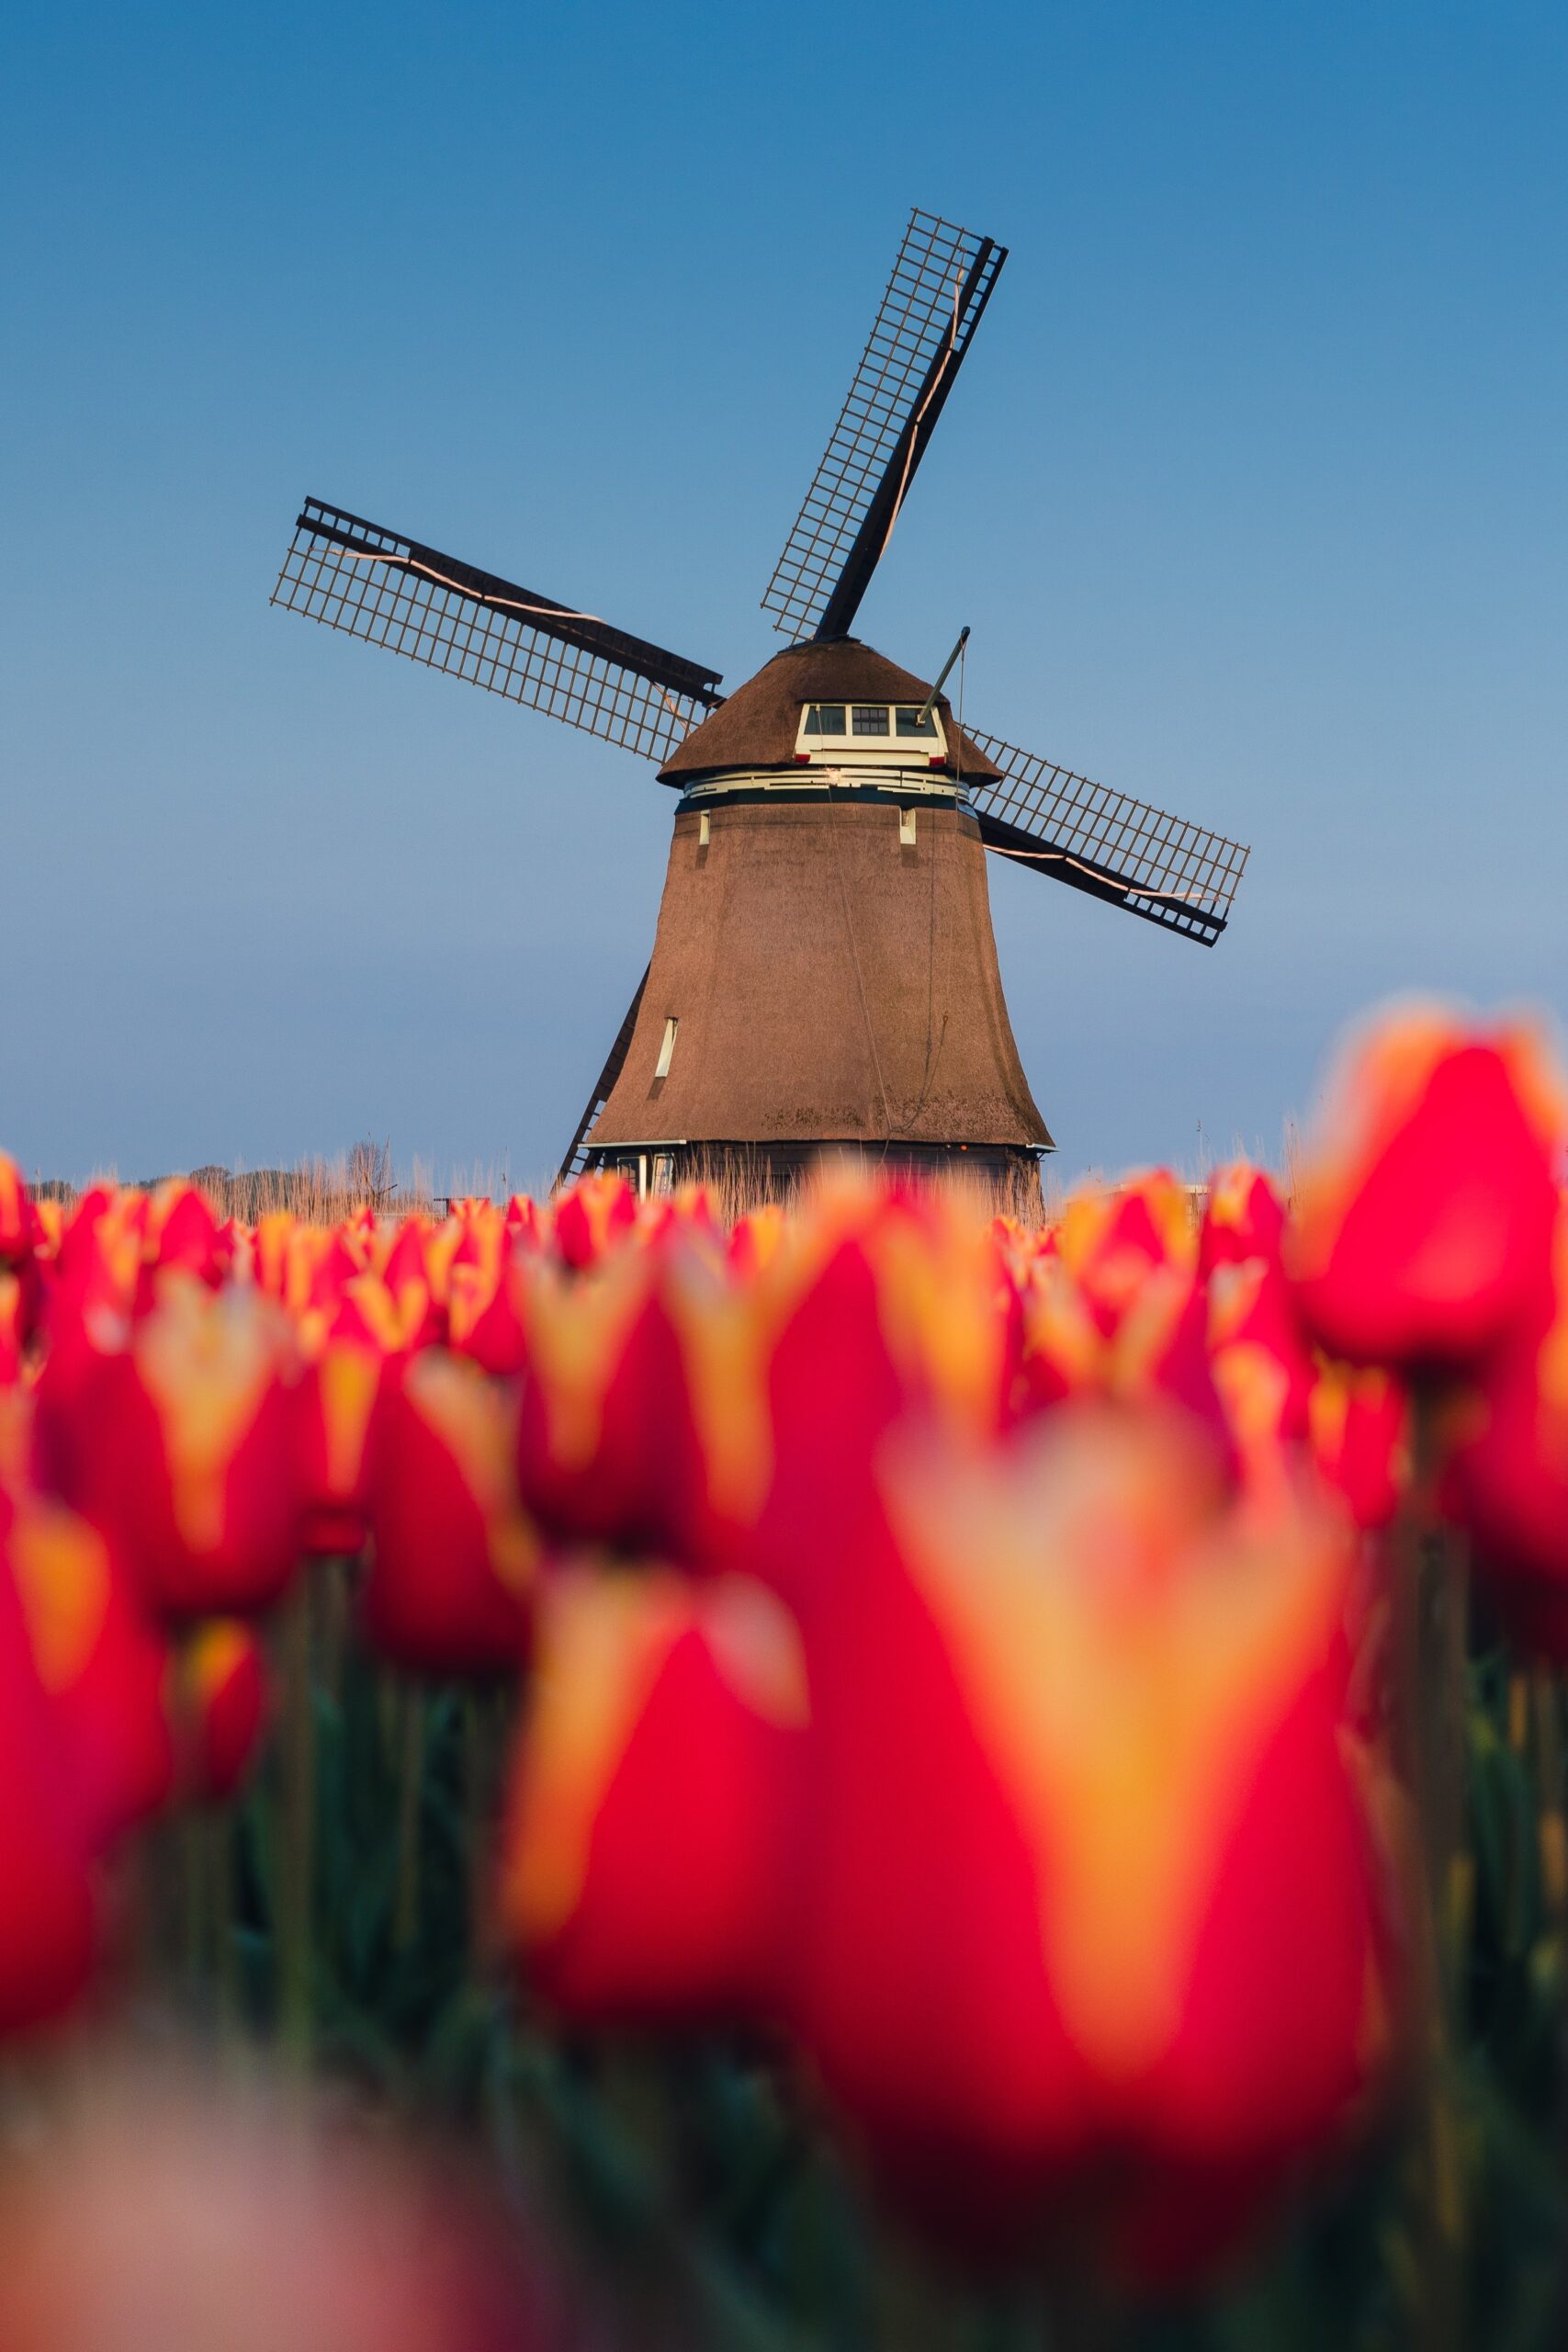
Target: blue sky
(1252, 493)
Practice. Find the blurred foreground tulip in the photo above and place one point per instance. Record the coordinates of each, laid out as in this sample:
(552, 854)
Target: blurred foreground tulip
(653, 1787)
(599, 1211)
(162, 2221)
(455, 1557)
(16, 1214)
(333, 1406)
(1358, 1433)
(1510, 1469)
(1082, 1807)
(218, 1700)
(48, 1911)
(100, 1663)
(1423, 1231)
(1243, 1217)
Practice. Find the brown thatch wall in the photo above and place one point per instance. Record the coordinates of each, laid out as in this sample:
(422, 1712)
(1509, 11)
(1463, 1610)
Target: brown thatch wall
(758, 725)
(829, 983)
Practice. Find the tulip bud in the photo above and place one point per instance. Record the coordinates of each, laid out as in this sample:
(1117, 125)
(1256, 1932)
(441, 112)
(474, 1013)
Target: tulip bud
(12, 1331)
(101, 1665)
(218, 1700)
(487, 1317)
(599, 1211)
(454, 1559)
(651, 1793)
(183, 1234)
(1510, 1470)
(333, 1406)
(16, 1214)
(1359, 1432)
(1080, 1804)
(1423, 1234)
(48, 1927)
(183, 1453)
(1242, 1218)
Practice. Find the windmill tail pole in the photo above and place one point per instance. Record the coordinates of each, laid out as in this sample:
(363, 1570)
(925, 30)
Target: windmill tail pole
(930, 704)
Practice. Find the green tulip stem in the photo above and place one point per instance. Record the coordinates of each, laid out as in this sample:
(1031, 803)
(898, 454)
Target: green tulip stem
(296, 1863)
(1432, 1714)
(410, 1787)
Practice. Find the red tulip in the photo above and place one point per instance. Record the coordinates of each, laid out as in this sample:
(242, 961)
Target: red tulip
(17, 1224)
(183, 1233)
(1510, 1470)
(488, 1317)
(455, 1559)
(1423, 1236)
(1138, 1341)
(1359, 1429)
(13, 1333)
(1080, 1806)
(642, 1417)
(333, 1406)
(598, 1212)
(1112, 1241)
(1243, 1217)
(100, 1664)
(219, 1698)
(652, 1797)
(48, 1927)
(1261, 1365)
(180, 1448)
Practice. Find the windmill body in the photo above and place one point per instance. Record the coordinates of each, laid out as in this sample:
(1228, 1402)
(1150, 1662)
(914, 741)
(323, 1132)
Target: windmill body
(823, 972)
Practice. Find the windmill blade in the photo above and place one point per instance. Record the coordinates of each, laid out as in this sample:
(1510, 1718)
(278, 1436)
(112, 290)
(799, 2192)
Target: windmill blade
(941, 284)
(1160, 867)
(394, 591)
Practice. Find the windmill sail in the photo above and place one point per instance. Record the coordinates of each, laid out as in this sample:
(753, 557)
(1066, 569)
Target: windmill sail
(942, 281)
(394, 591)
(1156, 865)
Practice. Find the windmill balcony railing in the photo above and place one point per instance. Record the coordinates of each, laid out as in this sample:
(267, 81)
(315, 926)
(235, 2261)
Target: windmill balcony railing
(884, 782)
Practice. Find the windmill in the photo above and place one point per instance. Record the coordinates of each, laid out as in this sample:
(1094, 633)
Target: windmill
(823, 969)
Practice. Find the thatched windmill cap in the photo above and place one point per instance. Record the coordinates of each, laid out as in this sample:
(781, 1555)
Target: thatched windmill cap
(759, 725)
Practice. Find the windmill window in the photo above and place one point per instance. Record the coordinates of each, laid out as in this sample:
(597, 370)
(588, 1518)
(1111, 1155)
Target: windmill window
(909, 723)
(666, 1050)
(871, 718)
(825, 719)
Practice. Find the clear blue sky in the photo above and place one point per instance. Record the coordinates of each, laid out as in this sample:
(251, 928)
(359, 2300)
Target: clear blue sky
(1253, 492)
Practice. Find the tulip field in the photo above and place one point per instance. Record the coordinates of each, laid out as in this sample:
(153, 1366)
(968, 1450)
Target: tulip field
(864, 1774)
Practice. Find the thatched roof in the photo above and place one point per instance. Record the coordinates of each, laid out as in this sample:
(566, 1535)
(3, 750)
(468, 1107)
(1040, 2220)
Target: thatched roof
(758, 725)
(831, 982)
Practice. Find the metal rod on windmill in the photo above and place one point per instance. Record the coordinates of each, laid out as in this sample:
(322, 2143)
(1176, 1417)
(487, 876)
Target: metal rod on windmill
(930, 704)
